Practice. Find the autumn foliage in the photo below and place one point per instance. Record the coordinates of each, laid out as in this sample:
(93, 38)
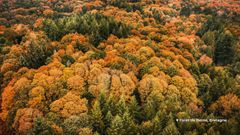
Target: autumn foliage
(119, 67)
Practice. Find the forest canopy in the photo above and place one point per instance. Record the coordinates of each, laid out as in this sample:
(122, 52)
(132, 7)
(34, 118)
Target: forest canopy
(119, 67)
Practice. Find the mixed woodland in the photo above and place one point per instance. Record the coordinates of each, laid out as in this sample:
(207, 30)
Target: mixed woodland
(119, 67)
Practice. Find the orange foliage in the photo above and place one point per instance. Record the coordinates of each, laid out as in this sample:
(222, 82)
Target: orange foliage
(76, 83)
(24, 119)
(38, 23)
(48, 12)
(69, 105)
(7, 101)
(2, 28)
(227, 105)
(205, 60)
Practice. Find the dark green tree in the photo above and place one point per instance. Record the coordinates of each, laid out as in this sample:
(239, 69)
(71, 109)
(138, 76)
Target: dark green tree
(116, 127)
(41, 127)
(129, 124)
(36, 52)
(96, 114)
(225, 48)
(171, 128)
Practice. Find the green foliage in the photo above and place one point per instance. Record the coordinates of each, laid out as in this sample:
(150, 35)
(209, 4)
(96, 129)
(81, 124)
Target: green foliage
(135, 109)
(122, 125)
(222, 83)
(171, 128)
(2, 41)
(36, 52)
(121, 106)
(81, 47)
(213, 24)
(135, 60)
(98, 27)
(172, 71)
(144, 70)
(5, 6)
(116, 65)
(27, 3)
(110, 105)
(59, 7)
(108, 118)
(151, 107)
(194, 69)
(225, 48)
(53, 117)
(209, 38)
(185, 11)
(41, 127)
(73, 123)
(157, 16)
(54, 30)
(129, 7)
(129, 124)
(67, 60)
(222, 41)
(10, 36)
(98, 55)
(116, 127)
(96, 113)
(88, 95)
(235, 68)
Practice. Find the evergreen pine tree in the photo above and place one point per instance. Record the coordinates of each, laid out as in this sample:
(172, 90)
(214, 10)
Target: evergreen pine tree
(171, 128)
(116, 127)
(128, 124)
(135, 109)
(41, 127)
(97, 116)
(121, 106)
(225, 46)
(108, 119)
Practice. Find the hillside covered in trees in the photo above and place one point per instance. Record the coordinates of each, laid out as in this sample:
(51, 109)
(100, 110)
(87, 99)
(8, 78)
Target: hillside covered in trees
(119, 67)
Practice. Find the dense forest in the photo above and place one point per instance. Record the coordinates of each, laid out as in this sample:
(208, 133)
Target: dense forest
(119, 67)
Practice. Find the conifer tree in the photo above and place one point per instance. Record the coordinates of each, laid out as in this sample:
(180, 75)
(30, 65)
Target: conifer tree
(171, 128)
(97, 116)
(225, 45)
(121, 106)
(41, 127)
(108, 119)
(135, 109)
(116, 127)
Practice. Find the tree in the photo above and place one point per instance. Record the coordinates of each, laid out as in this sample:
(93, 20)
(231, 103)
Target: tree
(73, 124)
(108, 119)
(129, 124)
(185, 11)
(121, 106)
(69, 105)
(97, 26)
(116, 127)
(225, 48)
(24, 119)
(67, 60)
(228, 105)
(212, 24)
(135, 109)
(96, 114)
(222, 83)
(41, 127)
(37, 49)
(171, 128)
(151, 106)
